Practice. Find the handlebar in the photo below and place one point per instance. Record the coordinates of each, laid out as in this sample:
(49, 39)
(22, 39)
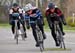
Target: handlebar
(53, 15)
(15, 14)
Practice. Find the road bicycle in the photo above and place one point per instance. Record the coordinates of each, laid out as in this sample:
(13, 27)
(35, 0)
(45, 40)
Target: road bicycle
(59, 34)
(40, 38)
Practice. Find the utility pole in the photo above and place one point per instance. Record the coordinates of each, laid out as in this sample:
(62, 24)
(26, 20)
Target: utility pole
(37, 3)
(73, 17)
(41, 3)
(14, 1)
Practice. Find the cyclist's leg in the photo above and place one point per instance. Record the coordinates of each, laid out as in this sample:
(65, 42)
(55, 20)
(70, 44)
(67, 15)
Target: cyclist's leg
(23, 24)
(27, 24)
(53, 32)
(54, 35)
(33, 26)
(61, 28)
(42, 30)
(51, 26)
(18, 25)
(13, 27)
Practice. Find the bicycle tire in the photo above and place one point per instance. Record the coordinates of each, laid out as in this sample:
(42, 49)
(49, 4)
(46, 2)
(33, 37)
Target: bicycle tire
(23, 38)
(16, 39)
(63, 44)
(41, 47)
(40, 39)
(16, 32)
(61, 39)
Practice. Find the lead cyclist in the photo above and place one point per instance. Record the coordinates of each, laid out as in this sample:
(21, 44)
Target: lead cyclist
(35, 15)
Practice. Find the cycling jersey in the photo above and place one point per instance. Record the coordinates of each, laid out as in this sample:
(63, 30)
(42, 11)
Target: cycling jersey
(56, 11)
(38, 15)
(15, 14)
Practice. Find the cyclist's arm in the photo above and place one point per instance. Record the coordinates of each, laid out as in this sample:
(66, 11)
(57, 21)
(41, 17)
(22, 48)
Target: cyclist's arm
(10, 14)
(21, 13)
(63, 19)
(27, 16)
(39, 16)
(36, 13)
(59, 13)
(48, 16)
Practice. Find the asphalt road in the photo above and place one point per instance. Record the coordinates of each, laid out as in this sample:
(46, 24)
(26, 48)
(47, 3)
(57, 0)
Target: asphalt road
(8, 44)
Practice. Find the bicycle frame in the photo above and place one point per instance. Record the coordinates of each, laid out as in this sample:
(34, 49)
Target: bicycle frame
(16, 31)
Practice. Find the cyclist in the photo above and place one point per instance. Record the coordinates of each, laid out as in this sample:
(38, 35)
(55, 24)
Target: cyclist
(15, 13)
(51, 17)
(35, 15)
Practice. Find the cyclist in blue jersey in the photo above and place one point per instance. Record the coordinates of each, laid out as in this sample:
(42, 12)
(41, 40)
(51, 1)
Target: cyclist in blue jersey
(34, 15)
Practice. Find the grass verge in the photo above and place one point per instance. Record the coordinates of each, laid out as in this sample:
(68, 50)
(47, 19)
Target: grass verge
(46, 27)
(4, 25)
(57, 49)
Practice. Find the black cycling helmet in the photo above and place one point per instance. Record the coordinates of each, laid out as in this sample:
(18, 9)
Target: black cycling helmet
(51, 5)
(15, 5)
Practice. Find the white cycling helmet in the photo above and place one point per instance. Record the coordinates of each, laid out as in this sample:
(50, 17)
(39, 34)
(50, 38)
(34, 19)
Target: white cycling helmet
(29, 5)
(26, 8)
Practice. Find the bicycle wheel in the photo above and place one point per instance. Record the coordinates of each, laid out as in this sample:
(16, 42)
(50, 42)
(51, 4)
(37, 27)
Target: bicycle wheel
(23, 36)
(17, 40)
(63, 43)
(41, 41)
(59, 34)
(22, 33)
(16, 37)
(61, 40)
(16, 32)
(41, 47)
